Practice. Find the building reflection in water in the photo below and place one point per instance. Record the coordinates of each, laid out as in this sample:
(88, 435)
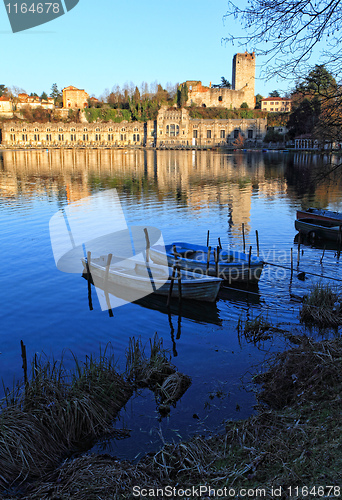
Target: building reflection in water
(193, 178)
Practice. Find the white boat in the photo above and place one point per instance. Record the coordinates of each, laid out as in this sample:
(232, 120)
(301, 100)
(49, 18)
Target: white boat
(139, 277)
(231, 265)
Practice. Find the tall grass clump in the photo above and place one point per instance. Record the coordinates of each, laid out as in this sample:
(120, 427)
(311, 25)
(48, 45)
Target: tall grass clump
(57, 412)
(322, 307)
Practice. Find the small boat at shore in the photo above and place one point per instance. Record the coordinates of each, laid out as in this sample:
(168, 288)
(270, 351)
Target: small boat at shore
(319, 229)
(230, 265)
(139, 278)
(320, 214)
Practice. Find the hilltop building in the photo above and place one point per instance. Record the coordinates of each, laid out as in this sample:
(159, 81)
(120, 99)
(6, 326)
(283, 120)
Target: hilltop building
(243, 87)
(276, 104)
(75, 98)
(6, 107)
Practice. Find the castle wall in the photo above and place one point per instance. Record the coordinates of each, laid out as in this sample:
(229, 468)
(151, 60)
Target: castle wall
(243, 83)
(243, 76)
(175, 128)
(73, 134)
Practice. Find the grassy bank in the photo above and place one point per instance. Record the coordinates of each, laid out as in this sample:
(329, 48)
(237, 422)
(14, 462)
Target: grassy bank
(56, 412)
(294, 440)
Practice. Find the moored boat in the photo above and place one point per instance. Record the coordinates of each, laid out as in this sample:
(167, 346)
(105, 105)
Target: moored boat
(319, 229)
(320, 214)
(230, 265)
(139, 278)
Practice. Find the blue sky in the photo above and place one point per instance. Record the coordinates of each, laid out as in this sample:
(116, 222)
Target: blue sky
(101, 43)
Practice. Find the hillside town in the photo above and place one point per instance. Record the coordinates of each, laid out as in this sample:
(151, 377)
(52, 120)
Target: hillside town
(197, 116)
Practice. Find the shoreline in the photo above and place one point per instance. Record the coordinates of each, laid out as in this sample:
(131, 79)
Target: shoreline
(289, 448)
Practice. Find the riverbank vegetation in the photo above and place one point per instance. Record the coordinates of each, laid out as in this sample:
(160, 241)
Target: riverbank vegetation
(292, 441)
(58, 412)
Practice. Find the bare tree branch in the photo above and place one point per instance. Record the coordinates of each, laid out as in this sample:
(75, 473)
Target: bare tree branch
(288, 31)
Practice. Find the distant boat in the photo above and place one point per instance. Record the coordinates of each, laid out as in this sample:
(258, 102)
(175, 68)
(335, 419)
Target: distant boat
(320, 229)
(140, 277)
(231, 265)
(320, 214)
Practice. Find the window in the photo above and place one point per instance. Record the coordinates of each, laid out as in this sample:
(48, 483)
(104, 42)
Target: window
(136, 130)
(97, 137)
(85, 137)
(110, 130)
(12, 137)
(73, 137)
(110, 136)
(48, 130)
(271, 109)
(123, 130)
(36, 137)
(73, 130)
(272, 103)
(48, 137)
(24, 137)
(97, 130)
(60, 130)
(250, 134)
(208, 134)
(12, 129)
(220, 98)
(223, 134)
(85, 130)
(61, 137)
(194, 134)
(36, 130)
(236, 133)
(136, 137)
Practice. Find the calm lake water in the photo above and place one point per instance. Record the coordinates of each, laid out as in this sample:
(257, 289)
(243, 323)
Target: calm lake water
(183, 193)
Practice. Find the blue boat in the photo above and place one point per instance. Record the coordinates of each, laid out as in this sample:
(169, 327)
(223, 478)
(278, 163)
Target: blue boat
(230, 265)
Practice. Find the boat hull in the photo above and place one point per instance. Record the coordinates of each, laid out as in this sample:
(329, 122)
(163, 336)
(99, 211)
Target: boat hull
(314, 228)
(320, 214)
(232, 266)
(139, 282)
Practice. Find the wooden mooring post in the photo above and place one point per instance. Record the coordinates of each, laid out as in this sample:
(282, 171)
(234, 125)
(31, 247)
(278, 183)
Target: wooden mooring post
(208, 258)
(148, 245)
(257, 241)
(171, 286)
(208, 238)
(299, 241)
(243, 238)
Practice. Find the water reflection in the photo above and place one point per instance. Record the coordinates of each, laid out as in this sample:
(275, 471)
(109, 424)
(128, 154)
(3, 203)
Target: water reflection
(194, 179)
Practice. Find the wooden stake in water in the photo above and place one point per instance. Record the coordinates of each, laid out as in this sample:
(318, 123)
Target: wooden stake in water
(216, 256)
(109, 260)
(321, 261)
(89, 280)
(219, 242)
(257, 241)
(208, 258)
(339, 239)
(208, 238)
(249, 263)
(298, 256)
(179, 276)
(147, 244)
(243, 238)
(23, 355)
(291, 262)
(171, 285)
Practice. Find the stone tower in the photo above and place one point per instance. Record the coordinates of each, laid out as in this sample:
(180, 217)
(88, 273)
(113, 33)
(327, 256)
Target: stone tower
(243, 76)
